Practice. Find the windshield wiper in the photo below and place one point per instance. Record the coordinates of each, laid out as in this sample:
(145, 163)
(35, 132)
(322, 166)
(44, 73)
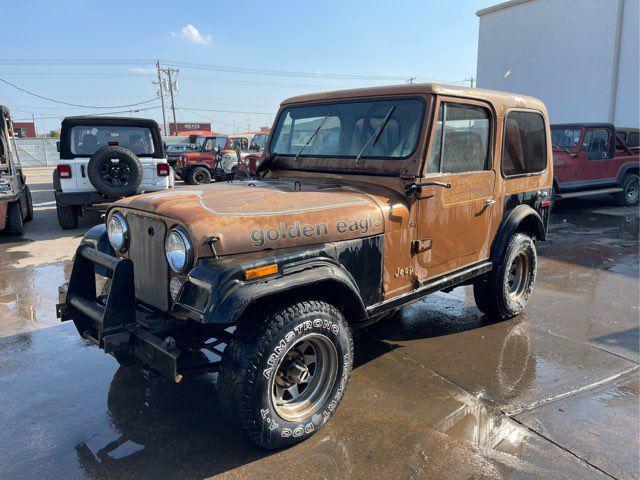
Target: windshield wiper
(312, 136)
(562, 147)
(376, 134)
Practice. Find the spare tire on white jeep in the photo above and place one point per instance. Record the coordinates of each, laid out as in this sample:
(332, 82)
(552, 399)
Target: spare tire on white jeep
(115, 171)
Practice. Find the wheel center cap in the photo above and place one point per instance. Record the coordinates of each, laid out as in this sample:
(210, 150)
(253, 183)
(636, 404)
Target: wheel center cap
(296, 372)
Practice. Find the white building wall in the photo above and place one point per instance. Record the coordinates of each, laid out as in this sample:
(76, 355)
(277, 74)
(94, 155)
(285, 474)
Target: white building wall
(627, 112)
(562, 52)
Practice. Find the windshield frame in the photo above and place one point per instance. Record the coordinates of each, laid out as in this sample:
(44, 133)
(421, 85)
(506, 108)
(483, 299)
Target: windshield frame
(425, 101)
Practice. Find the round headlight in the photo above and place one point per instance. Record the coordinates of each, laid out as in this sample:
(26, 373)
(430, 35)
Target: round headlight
(178, 250)
(118, 232)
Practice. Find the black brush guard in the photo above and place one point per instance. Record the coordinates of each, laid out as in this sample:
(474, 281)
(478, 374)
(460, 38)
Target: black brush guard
(117, 325)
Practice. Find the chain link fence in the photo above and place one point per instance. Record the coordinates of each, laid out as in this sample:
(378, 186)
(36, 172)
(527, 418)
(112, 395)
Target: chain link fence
(37, 152)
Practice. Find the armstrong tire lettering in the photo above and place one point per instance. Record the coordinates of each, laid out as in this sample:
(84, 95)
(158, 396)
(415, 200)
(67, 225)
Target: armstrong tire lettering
(252, 361)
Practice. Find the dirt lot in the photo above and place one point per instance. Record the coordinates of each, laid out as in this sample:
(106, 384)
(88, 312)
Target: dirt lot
(437, 392)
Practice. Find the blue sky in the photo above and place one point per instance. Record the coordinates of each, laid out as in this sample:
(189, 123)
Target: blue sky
(428, 39)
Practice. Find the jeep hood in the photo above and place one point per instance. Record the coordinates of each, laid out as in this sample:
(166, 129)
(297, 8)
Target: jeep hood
(262, 215)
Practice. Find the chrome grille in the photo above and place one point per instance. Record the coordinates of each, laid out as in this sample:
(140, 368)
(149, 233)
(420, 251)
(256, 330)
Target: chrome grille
(146, 251)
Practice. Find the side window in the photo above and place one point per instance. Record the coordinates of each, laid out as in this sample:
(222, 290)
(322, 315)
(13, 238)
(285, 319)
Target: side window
(525, 144)
(633, 139)
(596, 144)
(461, 139)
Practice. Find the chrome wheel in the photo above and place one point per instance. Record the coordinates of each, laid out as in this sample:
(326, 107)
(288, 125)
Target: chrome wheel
(304, 378)
(518, 276)
(632, 191)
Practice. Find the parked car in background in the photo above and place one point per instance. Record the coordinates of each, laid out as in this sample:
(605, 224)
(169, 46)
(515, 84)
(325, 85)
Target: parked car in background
(591, 159)
(176, 150)
(103, 159)
(253, 159)
(203, 164)
(631, 137)
(16, 206)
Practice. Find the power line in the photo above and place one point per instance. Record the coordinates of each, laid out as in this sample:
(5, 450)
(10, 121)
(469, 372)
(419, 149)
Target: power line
(213, 67)
(73, 104)
(230, 111)
(84, 115)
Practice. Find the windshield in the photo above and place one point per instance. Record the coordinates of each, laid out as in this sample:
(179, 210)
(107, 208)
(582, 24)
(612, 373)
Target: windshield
(86, 139)
(239, 143)
(565, 137)
(209, 143)
(257, 143)
(344, 129)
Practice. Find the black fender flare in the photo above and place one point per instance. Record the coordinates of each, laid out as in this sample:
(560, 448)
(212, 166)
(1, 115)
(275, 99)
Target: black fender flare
(519, 215)
(240, 296)
(190, 166)
(97, 238)
(624, 169)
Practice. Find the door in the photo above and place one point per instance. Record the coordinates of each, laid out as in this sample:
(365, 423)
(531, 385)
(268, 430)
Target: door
(595, 156)
(566, 142)
(454, 212)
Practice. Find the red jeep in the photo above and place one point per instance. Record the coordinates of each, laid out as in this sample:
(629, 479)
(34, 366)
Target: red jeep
(200, 166)
(591, 159)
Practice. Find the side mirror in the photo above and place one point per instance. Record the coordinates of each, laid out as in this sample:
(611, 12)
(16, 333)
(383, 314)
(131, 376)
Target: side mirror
(58, 146)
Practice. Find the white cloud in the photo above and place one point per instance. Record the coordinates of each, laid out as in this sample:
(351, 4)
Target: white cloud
(142, 70)
(192, 34)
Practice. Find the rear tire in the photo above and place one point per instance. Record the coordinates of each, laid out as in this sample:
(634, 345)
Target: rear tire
(630, 193)
(198, 176)
(67, 216)
(29, 200)
(504, 293)
(283, 377)
(15, 225)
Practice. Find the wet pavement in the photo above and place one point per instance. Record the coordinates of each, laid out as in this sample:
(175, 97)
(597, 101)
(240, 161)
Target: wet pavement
(439, 391)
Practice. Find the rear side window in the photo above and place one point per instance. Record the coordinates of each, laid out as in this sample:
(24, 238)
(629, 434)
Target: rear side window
(633, 139)
(461, 140)
(525, 144)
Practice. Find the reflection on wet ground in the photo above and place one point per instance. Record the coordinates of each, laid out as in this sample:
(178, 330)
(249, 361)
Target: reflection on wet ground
(439, 391)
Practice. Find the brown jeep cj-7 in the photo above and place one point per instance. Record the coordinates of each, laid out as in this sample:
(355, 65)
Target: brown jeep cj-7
(367, 200)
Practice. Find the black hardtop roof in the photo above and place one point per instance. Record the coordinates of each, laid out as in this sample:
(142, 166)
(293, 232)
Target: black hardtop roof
(105, 121)
(583, 124)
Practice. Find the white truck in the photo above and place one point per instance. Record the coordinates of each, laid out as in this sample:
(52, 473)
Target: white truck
(104, 159)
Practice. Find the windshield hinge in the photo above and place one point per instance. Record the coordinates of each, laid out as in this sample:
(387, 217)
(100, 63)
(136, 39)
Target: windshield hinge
(407, 176)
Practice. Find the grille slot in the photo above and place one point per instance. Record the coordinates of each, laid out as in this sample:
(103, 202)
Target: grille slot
(146, 251)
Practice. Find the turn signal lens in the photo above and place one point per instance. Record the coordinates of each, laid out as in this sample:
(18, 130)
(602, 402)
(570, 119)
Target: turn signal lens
(260, 272)
(64, 171)
(163, 169)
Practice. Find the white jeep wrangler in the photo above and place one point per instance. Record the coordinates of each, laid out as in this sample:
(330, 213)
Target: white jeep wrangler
(105, 159)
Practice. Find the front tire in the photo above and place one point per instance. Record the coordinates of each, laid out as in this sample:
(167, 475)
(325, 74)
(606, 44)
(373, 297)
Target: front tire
(15, 226)
(199, 176)
(504, 293)
(280, 380)
(630, 193)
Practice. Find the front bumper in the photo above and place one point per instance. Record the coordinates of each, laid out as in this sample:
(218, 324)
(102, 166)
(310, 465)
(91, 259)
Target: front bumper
(117, 324)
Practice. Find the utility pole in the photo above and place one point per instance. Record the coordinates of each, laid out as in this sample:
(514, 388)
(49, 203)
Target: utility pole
(171, 73)
(471, 81)
(410, 79)
(44, 142)
(161, 93)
